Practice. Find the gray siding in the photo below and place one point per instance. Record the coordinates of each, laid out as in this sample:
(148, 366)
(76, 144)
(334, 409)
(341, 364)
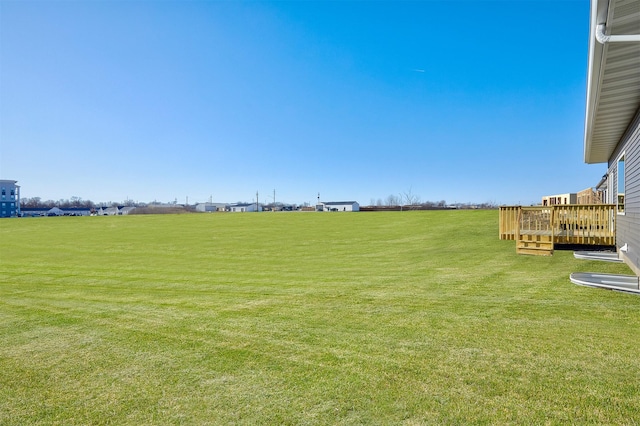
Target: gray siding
(628, 226)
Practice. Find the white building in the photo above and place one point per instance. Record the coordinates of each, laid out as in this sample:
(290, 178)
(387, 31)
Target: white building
(338, 206)
(108, 211)
(211, 207)
(126, 210)
(244, 207)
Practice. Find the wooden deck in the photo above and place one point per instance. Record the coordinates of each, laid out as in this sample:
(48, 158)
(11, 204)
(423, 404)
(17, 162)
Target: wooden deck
(537, 229)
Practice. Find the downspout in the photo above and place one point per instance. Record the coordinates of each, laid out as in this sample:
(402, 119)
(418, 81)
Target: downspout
(603, 38)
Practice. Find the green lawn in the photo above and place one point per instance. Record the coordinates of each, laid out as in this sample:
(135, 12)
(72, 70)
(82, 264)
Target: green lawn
(305, 318)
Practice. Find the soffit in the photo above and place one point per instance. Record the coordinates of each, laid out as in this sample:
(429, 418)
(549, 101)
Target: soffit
(613, 93)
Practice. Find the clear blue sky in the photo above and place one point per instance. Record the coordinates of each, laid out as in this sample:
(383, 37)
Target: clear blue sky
(466, 101)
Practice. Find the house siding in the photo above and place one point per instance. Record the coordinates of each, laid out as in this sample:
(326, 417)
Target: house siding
(628, 224)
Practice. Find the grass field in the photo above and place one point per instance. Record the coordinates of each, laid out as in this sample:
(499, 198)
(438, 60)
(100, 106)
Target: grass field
(305, 318)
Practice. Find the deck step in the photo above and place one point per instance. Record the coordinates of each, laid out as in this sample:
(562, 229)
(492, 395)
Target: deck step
(537, 245)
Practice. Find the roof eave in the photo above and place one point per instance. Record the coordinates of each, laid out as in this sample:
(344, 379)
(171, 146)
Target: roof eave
(599, 10)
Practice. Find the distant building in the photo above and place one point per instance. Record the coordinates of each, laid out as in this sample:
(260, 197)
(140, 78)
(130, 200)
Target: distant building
(126, 210)
(55, 211)
(244, 207)
(211, 207)
(338, 206)
(9, 198)
(586, 196)
(44, 211)
(108, 211)
(552, 200)
(590, 196)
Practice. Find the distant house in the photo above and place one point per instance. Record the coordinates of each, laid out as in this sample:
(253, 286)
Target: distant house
(612, 118)
(590, 196)
(244, 207)
(126, 210)
(110, 211)
(586, 196)
(338, 206)
(9, 198)
(553, 200)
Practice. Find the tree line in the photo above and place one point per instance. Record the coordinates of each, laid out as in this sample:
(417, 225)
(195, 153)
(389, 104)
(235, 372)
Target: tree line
(402, 199)
(410, 199)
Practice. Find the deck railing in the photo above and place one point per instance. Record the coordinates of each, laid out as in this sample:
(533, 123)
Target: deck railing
(593, 224)
(535, 220)
(509, 222)
(585, 224)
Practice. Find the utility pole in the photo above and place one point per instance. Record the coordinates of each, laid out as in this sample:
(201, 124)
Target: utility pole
(257, 204)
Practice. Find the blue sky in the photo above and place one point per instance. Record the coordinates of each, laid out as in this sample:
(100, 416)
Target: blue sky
(466, 101)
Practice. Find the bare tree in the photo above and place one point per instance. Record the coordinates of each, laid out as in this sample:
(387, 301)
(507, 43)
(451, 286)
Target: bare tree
(409, 199)
(76, 201)
(33, 202)
(392, 200)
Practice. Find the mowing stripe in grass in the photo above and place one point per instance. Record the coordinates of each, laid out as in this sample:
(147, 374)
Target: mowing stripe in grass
(294, 318)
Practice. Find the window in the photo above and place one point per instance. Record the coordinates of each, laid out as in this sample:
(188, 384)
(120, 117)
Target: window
(621, 189)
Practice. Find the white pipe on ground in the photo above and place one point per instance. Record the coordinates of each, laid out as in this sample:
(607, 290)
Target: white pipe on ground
(603, 38)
